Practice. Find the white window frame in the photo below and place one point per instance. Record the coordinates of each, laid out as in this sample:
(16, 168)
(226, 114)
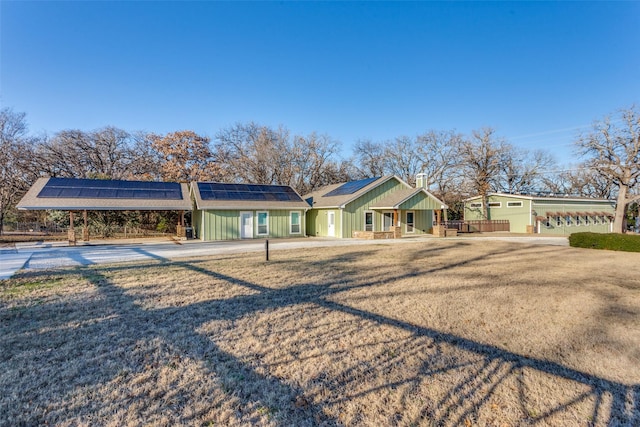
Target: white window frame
(568, 220)
(596, 219)
(578, 221)
(517, 204)
(548, 222)
(475, 205)
(497, 205)
(373, 221)
(413, 224)
(587, 221)
(258, 233)
(558, 220)
(291, 222)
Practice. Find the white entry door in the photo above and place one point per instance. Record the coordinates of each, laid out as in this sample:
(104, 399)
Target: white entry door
(331, 223)
(246, 225)
(388, 221)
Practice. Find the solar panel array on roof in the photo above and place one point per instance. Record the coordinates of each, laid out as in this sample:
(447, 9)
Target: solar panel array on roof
(71, 188)
(350, 187)
(249, 192)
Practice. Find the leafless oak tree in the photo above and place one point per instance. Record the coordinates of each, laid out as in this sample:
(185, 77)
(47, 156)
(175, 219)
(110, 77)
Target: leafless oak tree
(612, 149)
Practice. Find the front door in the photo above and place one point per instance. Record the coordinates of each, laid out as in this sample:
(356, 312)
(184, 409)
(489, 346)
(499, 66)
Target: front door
(331, 223)
(246, 225)
(388, 221)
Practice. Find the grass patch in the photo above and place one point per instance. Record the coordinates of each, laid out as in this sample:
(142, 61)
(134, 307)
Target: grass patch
(610, 241)
(14, 288)
(429, 333)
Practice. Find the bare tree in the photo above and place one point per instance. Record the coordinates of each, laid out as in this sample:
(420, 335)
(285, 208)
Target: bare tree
(107, 153)
(482, 157)
(369, 158)
(439, 151)
(402, 158)
(260, 154)
(612, 149)
(522, 170)
(15, 154)
(579, 180)
(185, 156)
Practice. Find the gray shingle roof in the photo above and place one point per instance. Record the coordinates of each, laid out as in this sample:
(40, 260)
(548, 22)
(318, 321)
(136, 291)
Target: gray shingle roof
(318, 201)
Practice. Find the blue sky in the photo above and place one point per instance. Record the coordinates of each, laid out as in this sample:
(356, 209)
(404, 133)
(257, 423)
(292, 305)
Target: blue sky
(538, 72)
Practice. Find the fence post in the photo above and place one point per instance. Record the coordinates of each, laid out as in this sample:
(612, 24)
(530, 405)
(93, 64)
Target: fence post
(266, 249)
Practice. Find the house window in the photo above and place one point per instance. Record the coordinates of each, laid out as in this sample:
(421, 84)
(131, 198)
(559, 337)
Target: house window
(495, 204)
(548, 222)
(514, 204)
(578, 221)
(558, 221)
(596, 219)
(410, 221)
(568, 220)
(368, 221)
(475, 205)
(263, 223)
(587, 221)
(295, 222)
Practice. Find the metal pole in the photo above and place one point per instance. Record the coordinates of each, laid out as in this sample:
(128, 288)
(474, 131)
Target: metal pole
(266, 249)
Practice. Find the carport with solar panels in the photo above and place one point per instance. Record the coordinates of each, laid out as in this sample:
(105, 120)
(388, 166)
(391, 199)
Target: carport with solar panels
(83, 195)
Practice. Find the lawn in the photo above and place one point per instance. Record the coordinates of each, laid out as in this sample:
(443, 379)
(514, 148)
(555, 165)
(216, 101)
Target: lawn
(428, 333)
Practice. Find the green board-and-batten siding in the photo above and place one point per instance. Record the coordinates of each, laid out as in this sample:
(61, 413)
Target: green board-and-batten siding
(351, 217)
(318, 222)
(225, 224)
(520, 217)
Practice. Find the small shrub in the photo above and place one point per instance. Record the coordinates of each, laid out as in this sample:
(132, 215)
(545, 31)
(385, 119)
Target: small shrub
(612, 241)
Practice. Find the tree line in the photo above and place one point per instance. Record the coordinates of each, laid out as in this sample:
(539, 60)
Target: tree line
(456, 166)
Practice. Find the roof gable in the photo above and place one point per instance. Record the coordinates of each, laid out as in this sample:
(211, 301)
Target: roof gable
(326, 197)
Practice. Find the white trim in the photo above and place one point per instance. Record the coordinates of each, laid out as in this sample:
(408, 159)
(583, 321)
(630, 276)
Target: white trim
(495, 205)
(299, 222)
(252, 225)
(329, 213)
(406, 223)
(383, 217)
(258, 233)
(521, 205)
(478, 205)
(373, 220)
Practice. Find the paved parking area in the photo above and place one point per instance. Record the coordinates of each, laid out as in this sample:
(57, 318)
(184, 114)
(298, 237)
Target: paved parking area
(38, 256)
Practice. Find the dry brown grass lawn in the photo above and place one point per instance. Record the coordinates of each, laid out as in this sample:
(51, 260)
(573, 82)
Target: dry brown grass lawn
(432, 333)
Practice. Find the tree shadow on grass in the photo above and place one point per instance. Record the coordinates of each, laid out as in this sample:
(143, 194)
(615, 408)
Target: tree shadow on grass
(131, 345)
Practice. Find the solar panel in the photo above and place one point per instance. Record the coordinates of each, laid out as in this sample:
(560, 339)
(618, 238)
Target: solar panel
(350, 187)
(252, 192)
(110, 189)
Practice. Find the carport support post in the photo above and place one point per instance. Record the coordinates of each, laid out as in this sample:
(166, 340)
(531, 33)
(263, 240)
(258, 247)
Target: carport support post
(72, 232)
(85, 229)
(266, 249)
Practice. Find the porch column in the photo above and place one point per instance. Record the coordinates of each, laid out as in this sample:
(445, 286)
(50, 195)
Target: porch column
(396, 218)
(437, 216)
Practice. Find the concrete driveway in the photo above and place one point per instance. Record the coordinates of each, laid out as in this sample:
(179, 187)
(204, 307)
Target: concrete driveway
(41, 255)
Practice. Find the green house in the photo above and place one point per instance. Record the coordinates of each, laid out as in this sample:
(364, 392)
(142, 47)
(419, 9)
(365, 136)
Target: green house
(371, 205)
(544, 214)
(246, 211)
